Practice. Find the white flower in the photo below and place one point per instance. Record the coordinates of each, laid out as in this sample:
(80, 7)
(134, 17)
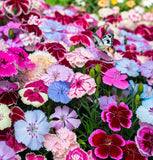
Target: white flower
(147, 3)
(5, 120)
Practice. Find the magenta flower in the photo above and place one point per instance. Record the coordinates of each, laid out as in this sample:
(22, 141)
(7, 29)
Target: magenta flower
(130, 151)
(80, 85)
(8, 93)
(34, 93)
(77, 153)
(106, 145)
(32, 156)
(65, 117)
(144, 140)
(7, 67)
(117, 116)
(21, 58)
(114, 77)
(57, 72)
(20, 6)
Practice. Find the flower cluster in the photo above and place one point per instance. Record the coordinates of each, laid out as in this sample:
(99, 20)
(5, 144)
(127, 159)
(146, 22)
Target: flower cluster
(76, 85)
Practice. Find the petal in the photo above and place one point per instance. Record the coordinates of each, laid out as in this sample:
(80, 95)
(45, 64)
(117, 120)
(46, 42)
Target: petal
(116, 152)
(72, 123)
(117, 140)
(125, 122)
(57, 124)
(102, 151)
(97, 138)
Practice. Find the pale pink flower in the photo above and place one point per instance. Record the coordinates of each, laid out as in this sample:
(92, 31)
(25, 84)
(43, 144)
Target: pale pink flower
(134, 16)
(116, 9)
(114, 77)
(80, 85)
(77, 154)
(65, 117)
(148, 16)
(60, 143)
(57, 72)
(79, 57)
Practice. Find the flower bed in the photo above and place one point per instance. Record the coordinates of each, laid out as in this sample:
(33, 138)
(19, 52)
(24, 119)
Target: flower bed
(76, 85)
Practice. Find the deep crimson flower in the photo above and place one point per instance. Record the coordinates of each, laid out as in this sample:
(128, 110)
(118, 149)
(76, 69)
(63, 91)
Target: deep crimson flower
(7, 134)
(84, 37)
(105, 66)
(148, 54)
(116, 116)
(145, 31)
(16, 7)
(31, 28)
(106, 145)
(131, 152)
(130, 52)
(82, 23)
(111, 19)
(8, 93)
(56, 49)
(63, 19)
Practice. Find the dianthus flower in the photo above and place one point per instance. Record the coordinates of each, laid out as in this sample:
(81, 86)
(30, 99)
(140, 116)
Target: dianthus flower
(65, 117)
(81, 84)
(31, 131)
(32, 156)
(116, 116)
(106, 145)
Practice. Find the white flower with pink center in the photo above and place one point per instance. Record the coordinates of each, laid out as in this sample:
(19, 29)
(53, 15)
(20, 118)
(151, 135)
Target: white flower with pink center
(79, 57)
(80, 85)
(134, 16)
(5, 120)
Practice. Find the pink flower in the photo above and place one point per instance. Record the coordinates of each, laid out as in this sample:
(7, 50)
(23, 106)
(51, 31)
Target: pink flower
(7, 67)
(8, 93)
(134, 16)
(78, 154)
(80, 85)
(79, 57)
(32, 156)
(57, 72)
(114, 77)
(148, 16)
(64, 118)
(34, 93)
(116, 116)
(60, 143)
(144, 139)
(106, 144)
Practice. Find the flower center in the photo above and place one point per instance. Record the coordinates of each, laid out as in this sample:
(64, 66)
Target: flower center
(36, 90)
(32, 129)
(1, 117)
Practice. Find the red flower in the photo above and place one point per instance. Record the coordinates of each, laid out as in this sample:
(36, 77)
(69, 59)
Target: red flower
(63, 19)
(7, 134)
(131, 52)
(145, 31)
(131, 152)
(116, 116)
(8, 93)
(84, 37)
(106, 145)
(17, 7)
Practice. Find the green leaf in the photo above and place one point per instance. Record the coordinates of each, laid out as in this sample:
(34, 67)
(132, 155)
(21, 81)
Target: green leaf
(98, 79)
(15, 10)
(92, 73)
(98, 68)
(10, 34)
(72, 48)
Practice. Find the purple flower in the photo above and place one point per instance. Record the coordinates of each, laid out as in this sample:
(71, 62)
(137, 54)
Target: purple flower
(104, 101)
(58, 91)
(31, 131)
(7, 67)
(57, 72)
(65, 117)
(53, 30)
(6, 152)
(147, 69)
